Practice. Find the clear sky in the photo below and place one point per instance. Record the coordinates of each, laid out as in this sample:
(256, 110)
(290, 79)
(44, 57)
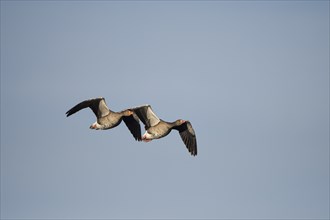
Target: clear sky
(251, 76)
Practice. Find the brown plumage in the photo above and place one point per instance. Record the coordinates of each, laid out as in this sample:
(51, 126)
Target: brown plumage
(157, 128)
(107, 119)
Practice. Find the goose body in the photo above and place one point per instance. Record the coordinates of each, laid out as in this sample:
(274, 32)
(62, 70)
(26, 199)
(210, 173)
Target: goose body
(157, 131)
(107, 119)
(157, 128)
(111, 120)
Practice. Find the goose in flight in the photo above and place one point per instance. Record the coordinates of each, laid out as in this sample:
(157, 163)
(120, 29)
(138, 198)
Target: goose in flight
(107, 119)
(157, 128)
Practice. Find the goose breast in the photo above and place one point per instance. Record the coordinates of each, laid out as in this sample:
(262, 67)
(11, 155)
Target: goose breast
(160, 130)
(111, 120)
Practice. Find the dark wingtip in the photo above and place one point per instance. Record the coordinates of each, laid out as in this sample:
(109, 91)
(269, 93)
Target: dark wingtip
(139, 138)
(193, 153)
(68, 113)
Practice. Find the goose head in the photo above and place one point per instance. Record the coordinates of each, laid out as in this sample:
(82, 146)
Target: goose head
(179, 122)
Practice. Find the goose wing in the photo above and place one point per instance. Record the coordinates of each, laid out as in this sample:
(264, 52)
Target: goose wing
(132, 122)
(98, 106)
(188, 136)
(146, 115)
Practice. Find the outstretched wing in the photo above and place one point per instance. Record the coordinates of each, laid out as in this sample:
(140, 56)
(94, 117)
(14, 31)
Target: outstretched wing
(98, 106)
(146, 115)
(132, 122)
(188, 136)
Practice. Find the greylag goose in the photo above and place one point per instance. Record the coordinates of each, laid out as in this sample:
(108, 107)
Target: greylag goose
(106, 118)
(157, 128)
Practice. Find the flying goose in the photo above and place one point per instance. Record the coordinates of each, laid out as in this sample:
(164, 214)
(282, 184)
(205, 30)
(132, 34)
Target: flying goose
(107, 119)
(157, 128)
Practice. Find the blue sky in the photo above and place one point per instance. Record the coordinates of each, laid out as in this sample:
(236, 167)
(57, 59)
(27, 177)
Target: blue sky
(251, 76)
